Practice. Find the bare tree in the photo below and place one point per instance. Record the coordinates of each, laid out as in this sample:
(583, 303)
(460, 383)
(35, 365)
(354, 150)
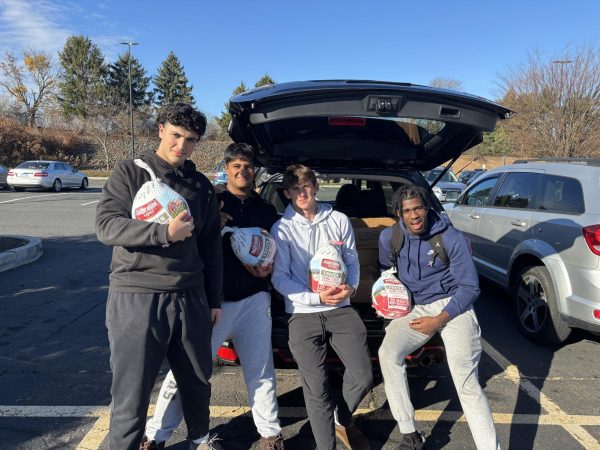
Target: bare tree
(107, 123)
(448, 83)
(31, 83)
(557, 101)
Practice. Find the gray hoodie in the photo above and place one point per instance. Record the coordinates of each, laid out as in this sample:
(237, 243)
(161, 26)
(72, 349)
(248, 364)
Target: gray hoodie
(297, 241)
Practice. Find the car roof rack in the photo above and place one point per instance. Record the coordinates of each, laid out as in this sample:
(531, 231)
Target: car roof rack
(588, 161)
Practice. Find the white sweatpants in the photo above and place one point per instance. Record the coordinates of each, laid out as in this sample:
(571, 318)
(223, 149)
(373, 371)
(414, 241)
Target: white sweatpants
(248, 323)
(463, 349)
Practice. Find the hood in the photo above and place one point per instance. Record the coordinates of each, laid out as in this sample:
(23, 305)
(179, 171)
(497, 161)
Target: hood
(322, 213)
(164, 169)
(355, 124)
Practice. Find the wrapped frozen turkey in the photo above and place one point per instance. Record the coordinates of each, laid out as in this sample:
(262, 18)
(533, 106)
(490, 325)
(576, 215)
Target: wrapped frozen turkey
(155, 201)
(327, 268)
(390, 297)
(253, 246)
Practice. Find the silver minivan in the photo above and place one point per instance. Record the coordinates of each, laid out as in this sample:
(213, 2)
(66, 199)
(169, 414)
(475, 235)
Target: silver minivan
(534, 228)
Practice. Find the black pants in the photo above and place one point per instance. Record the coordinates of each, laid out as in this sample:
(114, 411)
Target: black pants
(143, 329)
(344, 331)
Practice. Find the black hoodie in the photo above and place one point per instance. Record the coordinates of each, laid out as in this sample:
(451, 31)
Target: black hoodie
(250, 212)
(142, 259)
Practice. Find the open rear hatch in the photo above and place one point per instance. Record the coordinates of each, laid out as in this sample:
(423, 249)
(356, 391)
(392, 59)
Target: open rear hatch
(346, 124)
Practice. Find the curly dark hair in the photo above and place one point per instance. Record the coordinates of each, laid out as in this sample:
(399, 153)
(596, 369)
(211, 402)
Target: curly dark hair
(241, 151)
(182, 115)
(406, 193)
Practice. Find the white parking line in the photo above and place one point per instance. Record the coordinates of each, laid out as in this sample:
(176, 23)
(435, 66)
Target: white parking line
(559, 417)
(89, 203)
(97, 434)
(33, 196)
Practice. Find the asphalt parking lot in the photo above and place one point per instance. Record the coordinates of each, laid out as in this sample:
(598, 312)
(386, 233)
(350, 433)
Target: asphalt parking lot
(55, 376)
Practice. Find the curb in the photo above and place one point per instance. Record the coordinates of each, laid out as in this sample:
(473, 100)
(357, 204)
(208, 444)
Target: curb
(21, 255)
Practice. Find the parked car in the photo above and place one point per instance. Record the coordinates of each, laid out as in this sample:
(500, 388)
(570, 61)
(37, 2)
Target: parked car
(374, 137)
(467, 176)
(220, 176)
(3, 174)
(447, 188)
(46, 175)
(534, 228)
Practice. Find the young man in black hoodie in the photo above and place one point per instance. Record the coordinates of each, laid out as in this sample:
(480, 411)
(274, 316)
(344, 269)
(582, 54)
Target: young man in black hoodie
(166, 283)
(246, 317)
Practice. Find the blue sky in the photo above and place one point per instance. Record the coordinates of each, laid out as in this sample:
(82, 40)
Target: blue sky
(221, 43)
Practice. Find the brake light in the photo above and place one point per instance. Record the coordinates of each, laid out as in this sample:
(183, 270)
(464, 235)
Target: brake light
(346, 121)
(10, 173)
(40, 174)
(591, 234)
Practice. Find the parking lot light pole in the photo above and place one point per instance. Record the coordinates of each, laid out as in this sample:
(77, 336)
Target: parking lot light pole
(129, 44)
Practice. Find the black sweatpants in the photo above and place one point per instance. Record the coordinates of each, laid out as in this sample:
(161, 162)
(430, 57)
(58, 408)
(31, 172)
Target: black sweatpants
(309, 334)
(143, 328)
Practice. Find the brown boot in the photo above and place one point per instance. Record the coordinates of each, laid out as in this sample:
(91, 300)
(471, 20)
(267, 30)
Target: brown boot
(272, 443)
(352, 437)
(151, 445)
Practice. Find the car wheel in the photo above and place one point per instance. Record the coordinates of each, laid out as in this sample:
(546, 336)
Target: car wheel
(57, 185)
(84, 184)
(536, 308)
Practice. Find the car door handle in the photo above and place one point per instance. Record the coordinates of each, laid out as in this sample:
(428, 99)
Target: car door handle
(518, 223)
(474, 216)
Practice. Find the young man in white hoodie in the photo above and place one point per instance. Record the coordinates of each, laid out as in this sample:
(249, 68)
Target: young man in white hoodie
(318, 319)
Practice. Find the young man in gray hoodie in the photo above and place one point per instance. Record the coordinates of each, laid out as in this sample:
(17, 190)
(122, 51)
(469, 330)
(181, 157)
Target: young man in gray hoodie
(166, 283)
(318, 319)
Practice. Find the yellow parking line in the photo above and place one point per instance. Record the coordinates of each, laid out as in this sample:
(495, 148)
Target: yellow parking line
(97, 434)
(512, 373)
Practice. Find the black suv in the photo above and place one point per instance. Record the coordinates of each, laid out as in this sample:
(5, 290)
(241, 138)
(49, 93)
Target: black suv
(370, 138)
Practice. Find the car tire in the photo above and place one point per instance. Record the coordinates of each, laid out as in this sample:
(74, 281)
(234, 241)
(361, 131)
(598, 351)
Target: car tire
(536, 308)
(57, 185)
(84, 184)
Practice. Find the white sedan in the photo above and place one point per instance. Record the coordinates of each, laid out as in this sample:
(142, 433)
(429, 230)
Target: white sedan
(46, 175)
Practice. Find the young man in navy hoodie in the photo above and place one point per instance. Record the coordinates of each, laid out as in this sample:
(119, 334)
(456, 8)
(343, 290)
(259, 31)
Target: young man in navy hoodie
(166, 283)
(443, 296)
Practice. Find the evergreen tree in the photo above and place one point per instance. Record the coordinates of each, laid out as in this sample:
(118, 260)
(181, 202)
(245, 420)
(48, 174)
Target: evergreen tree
(264, 81)
(225, 116)
(83, 76)
(118, 80)
(171, 83)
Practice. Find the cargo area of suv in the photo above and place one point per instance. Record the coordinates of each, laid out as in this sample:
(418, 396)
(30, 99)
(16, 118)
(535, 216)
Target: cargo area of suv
(370, 138)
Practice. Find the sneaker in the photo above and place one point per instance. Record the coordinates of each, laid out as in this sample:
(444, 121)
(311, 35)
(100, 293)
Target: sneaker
(212, 444)
(412, 441)
(271, 443)
(352, 437)
(151, 445)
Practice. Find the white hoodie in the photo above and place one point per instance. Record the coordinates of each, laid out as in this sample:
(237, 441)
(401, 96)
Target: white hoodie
(297, 240)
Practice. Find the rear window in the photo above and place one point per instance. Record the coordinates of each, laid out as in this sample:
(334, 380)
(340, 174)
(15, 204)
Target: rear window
(561, 194)
(405, 132)
(518, 190)
(33, 165)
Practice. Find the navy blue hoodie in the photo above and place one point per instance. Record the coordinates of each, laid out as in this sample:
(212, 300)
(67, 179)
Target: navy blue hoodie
(429, 283)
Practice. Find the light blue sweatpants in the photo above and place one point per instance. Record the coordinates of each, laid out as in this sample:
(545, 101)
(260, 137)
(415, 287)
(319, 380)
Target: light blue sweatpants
(248, 323)
(463, 349)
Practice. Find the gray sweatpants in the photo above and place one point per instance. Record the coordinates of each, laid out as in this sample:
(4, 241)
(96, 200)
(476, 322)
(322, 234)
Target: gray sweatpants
(463, 349)
(248, 323)
(309, 334)
(142, 329)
